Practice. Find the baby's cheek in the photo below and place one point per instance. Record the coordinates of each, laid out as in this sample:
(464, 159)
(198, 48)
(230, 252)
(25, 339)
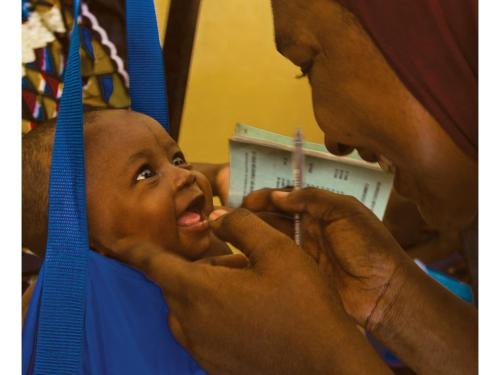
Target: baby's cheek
(101, 238)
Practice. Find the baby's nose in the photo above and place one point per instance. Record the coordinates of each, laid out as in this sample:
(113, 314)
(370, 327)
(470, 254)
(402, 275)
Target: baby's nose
(183, 179)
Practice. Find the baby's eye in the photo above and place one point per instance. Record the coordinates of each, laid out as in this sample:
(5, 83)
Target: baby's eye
(144, 173)
(178, 159)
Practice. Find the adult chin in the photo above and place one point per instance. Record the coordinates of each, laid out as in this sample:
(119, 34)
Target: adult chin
(434, 211)
(437, 217)
(451, 217)
(440, 214)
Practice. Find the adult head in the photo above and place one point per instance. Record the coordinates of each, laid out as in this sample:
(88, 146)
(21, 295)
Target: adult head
(398, 81)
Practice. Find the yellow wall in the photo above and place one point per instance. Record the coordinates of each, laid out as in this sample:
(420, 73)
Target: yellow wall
(238, 76)
(161, 9)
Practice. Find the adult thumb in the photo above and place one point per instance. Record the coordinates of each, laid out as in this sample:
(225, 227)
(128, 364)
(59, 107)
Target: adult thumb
(228, 261)
(177, 331)
(247, 232)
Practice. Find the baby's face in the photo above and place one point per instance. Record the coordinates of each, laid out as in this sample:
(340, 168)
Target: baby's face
(140, 187)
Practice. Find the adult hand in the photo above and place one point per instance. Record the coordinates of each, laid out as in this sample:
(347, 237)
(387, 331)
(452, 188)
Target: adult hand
(277, 315)
(431, 330)
(350, 245)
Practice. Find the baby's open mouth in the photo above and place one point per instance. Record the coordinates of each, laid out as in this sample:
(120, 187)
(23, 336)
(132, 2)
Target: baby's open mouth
(193, 214)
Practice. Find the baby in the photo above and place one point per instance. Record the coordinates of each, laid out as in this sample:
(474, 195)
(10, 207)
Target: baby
(140, 189)
(139, 186)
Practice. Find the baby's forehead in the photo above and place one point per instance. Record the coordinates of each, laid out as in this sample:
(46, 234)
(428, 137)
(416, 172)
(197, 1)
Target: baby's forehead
(113, 126)
(114, 137)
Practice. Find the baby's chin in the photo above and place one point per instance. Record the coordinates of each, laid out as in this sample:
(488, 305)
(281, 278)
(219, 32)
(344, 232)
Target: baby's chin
(194, 245)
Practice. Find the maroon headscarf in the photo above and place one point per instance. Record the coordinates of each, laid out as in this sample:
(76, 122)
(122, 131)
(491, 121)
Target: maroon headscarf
(432, 46)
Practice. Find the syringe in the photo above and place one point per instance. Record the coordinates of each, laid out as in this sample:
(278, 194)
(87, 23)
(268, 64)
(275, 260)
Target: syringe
(298, 180)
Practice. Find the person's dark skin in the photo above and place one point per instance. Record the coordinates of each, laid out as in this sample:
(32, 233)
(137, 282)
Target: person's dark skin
(418, 239)
(358, 102)
(139, 186)
(218, 176)
(302, 333)
(380, 286)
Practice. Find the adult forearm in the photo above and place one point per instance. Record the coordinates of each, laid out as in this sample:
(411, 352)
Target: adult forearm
(426, 326)
(333, 344)
(346, 351)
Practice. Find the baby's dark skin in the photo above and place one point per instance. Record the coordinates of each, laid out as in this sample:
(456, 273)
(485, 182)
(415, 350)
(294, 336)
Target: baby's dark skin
(140, 188)
(281, 315)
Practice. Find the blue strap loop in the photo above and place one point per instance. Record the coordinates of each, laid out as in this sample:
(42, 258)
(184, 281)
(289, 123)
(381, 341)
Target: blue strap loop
(60, 334)
(145, 62)
(60, 327)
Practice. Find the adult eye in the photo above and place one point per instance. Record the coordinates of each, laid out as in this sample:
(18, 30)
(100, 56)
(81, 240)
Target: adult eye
(144, 173)
(179, 160)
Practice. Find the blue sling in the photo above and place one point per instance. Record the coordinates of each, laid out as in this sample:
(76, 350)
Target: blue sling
(90, 314)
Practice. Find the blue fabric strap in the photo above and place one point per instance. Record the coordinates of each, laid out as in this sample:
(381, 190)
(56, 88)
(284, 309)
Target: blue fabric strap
(60, 337)
(145, 62)
(60, 333)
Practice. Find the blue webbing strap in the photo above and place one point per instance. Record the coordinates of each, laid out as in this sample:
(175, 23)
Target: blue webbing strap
(145, 62)
(60, 335)
(60, 327)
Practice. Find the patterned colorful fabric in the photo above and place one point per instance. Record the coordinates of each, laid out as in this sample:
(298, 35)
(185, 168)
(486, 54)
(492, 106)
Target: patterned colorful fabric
(45, 27)
(45, 44)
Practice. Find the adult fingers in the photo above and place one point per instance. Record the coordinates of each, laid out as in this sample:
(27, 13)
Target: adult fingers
(320, 204)
(279, 221)
(260, 200)
(254, 237)
(172, 273)
(177, 331)
(229, 261)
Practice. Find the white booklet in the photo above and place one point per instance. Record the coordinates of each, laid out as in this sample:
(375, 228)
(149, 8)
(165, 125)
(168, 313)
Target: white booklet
(261, 159)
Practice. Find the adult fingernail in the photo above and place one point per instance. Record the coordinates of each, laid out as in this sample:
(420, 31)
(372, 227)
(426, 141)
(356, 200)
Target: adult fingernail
(216, 214)
(280, 194)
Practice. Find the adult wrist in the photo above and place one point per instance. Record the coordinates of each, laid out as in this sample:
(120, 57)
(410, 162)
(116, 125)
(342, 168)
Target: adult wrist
(425, 325)
(338, 347)
(394, 299)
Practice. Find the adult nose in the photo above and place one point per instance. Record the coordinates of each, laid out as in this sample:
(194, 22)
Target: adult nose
(336, 148)
(339, 149)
